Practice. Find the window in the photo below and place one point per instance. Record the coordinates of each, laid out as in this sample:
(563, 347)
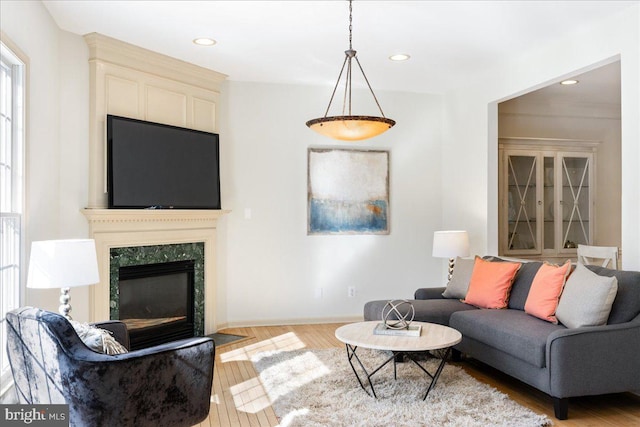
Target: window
(12, 98)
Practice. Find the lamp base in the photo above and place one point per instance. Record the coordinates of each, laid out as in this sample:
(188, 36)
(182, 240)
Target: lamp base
(452, 263)
(65, 307)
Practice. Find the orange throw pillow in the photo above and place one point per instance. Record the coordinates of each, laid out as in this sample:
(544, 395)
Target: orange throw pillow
(546, 289)
(490, 283)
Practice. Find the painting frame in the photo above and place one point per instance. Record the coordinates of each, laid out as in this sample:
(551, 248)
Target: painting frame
(348, 191)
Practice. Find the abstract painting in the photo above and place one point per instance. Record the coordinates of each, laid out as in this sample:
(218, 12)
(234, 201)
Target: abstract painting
(348, 191)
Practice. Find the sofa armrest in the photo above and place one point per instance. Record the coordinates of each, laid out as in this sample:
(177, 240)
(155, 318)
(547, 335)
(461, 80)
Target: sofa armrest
(118, 329)
(179, 374)
(594, 360)
(429, 293)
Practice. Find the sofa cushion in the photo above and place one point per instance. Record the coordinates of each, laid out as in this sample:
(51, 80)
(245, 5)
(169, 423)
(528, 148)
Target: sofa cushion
(521, 283)
(431, 310)
(546, 289)
(459, 283)
(490, 283)
(587, 299)
(626, 306)
(511, 331)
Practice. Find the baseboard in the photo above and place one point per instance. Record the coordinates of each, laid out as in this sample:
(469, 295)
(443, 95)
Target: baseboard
(285, 322)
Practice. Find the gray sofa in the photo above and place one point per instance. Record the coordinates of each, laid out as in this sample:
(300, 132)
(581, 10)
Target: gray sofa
(559, 361)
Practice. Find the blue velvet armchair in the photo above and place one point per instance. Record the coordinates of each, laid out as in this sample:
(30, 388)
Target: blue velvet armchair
(165, 385)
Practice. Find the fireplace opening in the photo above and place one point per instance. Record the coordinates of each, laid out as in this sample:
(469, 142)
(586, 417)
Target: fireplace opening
(157, 302)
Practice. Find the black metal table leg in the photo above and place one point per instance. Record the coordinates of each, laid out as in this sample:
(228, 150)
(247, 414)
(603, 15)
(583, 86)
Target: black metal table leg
(351, 354)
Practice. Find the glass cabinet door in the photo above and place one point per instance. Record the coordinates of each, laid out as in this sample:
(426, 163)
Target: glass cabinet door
(549, 203)
(545, 200)
(522, 177)
(575, 202)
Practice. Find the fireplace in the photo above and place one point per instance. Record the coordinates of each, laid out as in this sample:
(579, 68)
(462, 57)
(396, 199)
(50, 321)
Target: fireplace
(127, 237)
(158, 292)
(157, 302)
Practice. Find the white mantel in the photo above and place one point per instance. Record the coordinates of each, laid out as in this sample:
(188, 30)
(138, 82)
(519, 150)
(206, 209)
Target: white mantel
(116, 228)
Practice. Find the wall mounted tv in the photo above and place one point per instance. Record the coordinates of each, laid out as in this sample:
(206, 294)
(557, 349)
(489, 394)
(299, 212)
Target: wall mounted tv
(156, 166)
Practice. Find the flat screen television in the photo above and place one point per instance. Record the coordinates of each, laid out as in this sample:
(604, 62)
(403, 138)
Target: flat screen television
(156, 166)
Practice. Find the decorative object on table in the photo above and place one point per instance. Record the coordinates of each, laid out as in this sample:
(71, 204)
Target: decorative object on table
(63, 264)
(409, 331)
(348, 127)
(321, 382)
(396, 323)
(348, 191)
(450, 244)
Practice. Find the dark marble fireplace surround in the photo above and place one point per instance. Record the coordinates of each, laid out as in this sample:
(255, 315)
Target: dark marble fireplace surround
(159, 254)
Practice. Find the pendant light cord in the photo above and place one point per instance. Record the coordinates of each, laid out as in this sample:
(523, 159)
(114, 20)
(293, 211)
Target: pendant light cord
(350, 23)
(349, 55)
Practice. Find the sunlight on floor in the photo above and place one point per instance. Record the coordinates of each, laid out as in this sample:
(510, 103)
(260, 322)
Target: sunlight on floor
(258, 393)
(250, 396)
(284, 342)
(289, 418)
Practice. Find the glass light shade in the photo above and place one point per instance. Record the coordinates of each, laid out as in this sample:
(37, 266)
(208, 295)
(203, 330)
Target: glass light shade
(450, 244)
(351, 128)
(63, 264)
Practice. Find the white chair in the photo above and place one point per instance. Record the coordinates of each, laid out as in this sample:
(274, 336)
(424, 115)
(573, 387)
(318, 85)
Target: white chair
(590, 255)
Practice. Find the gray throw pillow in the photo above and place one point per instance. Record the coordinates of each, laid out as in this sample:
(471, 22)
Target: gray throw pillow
(459, 283)
(586, 299)
(97, 339)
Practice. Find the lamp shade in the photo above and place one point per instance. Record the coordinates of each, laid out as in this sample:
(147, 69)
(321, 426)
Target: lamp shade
(63, 264)
(351, 128)
(450, 244)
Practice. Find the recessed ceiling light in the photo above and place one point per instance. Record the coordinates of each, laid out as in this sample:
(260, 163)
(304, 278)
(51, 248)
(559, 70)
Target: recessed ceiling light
(204, 41)
(399, 57)
(569, 82)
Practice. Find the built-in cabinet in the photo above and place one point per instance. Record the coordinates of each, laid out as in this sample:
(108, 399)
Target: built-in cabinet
(547, 197)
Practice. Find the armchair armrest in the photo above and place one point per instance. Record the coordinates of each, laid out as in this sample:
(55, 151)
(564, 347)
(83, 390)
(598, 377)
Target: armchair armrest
(594, 360)
(129, 386)
(118, 329)
(429, 293)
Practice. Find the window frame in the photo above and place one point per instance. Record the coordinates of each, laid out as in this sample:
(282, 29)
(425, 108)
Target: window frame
(12, 56)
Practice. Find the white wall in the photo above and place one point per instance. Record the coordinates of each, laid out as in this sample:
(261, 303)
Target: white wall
(592, 122)
(272, 266)
(269, 267)
(471, 123)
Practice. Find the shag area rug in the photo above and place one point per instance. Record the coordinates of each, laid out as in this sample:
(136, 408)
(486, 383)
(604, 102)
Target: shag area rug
(318, 388)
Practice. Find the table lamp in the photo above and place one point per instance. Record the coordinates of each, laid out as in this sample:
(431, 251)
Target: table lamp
(63, 264)
(450, 244)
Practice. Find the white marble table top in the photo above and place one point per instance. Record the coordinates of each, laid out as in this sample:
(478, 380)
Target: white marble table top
(432, 337)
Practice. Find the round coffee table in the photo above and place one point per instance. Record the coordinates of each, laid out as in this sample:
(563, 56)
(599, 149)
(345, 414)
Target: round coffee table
(432, 337)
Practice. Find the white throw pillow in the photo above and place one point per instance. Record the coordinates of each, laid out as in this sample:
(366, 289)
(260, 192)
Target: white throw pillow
(97, 339)
(459, 283)
(586, 299)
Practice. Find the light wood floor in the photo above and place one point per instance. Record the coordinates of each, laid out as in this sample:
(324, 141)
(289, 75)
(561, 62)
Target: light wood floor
(238, 400)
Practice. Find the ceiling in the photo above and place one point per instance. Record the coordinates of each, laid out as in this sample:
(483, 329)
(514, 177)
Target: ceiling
(302, 42)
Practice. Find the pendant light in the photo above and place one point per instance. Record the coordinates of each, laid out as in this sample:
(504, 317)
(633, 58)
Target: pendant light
(349, 127)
